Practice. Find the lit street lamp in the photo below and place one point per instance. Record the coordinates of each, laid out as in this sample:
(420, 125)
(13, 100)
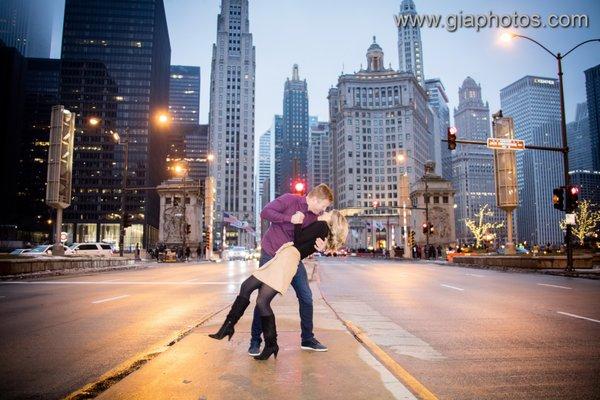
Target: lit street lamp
(507, 37)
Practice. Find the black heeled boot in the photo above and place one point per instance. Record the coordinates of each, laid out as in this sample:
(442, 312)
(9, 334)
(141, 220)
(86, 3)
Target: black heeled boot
(270, 334)
(237, 310)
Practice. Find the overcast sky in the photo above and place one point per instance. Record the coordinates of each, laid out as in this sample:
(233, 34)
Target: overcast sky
(326, 37)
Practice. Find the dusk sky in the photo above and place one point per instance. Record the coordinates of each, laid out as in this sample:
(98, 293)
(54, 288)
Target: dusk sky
(326, 37)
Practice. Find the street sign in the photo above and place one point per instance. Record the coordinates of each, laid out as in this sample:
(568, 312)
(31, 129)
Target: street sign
(570, 219)
(64, 236)
(505, 144)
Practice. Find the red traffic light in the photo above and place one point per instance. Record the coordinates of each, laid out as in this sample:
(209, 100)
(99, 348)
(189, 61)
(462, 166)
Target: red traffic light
(451, 137)
(298, 187)
(574, 190)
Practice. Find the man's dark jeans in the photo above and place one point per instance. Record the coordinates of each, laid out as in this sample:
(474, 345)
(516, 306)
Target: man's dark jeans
(304, 294)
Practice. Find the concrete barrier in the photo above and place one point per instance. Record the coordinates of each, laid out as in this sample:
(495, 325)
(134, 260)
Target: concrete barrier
(27, 265)
(526, 262)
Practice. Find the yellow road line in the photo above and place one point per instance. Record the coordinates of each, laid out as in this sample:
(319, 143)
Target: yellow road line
(411, 383)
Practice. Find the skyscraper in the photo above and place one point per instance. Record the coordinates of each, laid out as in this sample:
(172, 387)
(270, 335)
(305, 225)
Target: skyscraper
(264, 168)
(116, 70)
(319, 155)
(472, 166)
(41, 85)
(592, 88)
(27, 25)
(184, 94)
(231, 117)
(184, 110)
(534, 104)
(278, 152)
(375, 115)
(294, 144)
(12, 76)
(410, 47)
(438, 101)
(580, 149)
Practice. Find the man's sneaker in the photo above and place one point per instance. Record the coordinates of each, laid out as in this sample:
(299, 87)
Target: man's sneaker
(313, 345)
(254, 349)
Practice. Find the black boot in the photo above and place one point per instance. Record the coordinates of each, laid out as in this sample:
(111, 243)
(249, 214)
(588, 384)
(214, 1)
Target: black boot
(237, 310)
(270, 334)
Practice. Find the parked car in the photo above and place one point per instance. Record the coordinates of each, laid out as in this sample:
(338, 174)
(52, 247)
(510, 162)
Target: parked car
(92, 249)
(18, 252)
(45, 250)
(235, 253)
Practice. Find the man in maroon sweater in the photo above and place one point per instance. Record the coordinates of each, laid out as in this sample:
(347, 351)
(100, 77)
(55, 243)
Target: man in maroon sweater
(283, 213)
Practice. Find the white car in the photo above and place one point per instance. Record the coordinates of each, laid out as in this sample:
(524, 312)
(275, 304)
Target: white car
(92, 249)
(45, 250)
(235, 253)
(18, 252)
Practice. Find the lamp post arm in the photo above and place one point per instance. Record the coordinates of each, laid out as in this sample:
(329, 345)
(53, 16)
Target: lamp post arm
(580, 44)
(536, 42)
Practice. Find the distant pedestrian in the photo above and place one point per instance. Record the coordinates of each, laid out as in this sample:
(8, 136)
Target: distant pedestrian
(188, 252)
(199, 251)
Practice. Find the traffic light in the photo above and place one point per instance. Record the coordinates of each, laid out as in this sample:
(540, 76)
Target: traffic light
(188, 229)
(299, 187)
(411, 238)
(424, 228)
(431, 229)
(126, 220)
(572, 200)
(451, 138)
(558, 198)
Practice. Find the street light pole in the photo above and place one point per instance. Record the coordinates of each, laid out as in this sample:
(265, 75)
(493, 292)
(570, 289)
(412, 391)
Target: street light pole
(124, 191)
(563, 127)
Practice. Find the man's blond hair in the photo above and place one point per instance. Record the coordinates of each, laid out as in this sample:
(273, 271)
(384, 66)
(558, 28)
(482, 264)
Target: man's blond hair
(322, 192)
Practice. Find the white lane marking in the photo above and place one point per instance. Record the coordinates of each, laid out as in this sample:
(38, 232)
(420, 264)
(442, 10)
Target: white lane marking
(452, 287)
(556, 286)
(578, 316)
(478, 276)
(110, 299)
(116, 283)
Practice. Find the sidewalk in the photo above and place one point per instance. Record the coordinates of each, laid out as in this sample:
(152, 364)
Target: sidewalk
(199, 367)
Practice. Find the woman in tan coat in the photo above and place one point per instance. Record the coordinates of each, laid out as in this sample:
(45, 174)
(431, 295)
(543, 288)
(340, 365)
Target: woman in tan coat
(276, 275)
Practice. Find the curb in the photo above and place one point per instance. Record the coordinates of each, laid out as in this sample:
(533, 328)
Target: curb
(83, 271)
(411, 383)
(556, 272)
(91, 390)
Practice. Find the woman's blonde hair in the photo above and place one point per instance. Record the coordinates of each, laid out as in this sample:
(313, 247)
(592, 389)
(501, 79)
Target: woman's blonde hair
(338, 226)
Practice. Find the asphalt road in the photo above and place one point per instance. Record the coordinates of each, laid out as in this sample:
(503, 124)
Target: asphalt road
(58, 334)
(463, 333)
(475, 334)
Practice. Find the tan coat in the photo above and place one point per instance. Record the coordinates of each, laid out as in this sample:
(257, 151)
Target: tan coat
(279, 271)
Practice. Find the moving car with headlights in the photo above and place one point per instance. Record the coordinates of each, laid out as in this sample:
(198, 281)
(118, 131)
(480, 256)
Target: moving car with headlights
(235, 253)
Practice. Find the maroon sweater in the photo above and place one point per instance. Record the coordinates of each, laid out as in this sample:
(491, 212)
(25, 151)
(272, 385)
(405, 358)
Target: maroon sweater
(279, 213)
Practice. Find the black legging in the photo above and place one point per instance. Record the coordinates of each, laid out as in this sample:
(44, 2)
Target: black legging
(265, 294)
